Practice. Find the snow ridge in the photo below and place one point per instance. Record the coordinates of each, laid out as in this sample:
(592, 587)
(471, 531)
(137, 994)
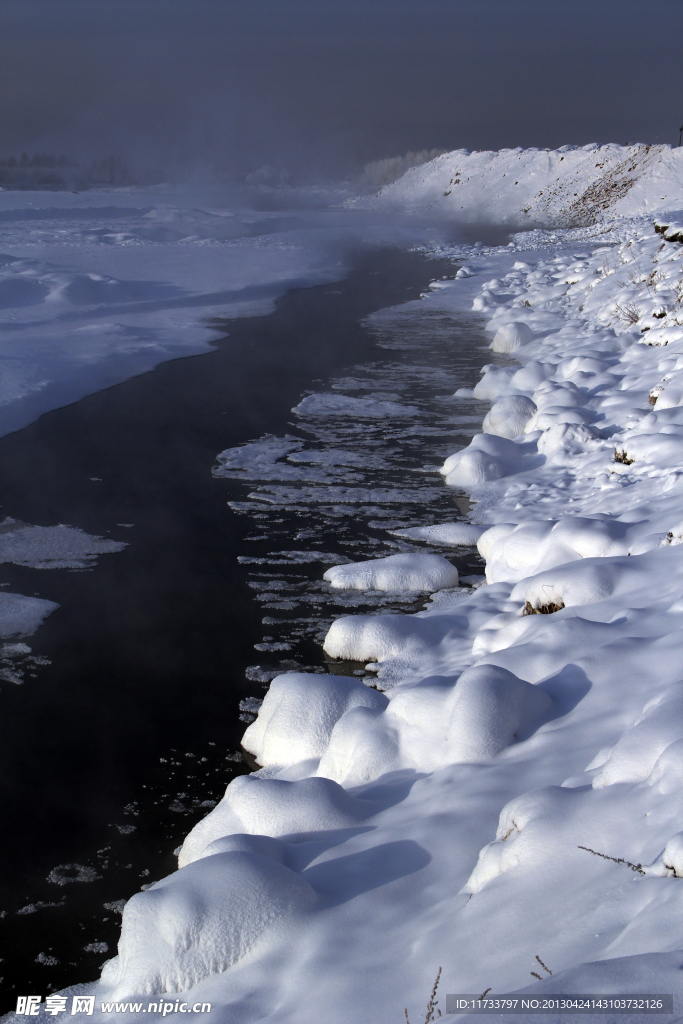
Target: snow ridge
(523, 188)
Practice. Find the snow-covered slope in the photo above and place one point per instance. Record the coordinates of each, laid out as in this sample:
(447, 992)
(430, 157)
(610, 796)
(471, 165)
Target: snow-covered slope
(526, 187)
(509, 801)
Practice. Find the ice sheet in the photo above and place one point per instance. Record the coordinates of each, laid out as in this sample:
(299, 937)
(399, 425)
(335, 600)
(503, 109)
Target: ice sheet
(102, 285)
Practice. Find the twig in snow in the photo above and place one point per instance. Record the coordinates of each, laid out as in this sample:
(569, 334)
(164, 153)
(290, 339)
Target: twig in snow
(546, 969)
(433, 1003)
(617, 860)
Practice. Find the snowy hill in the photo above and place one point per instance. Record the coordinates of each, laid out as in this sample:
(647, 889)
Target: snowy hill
(536, 187)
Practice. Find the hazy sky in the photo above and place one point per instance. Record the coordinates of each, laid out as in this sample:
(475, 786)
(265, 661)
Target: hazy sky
(326, 85)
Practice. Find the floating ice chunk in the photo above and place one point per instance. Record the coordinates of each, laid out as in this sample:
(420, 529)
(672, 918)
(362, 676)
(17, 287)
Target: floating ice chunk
(412, 572)
(255, 456)
(273, 807)
(52, 547)
(21, 616)
(298, 714)
(360, 408)
(509, 337)
(509, 416)
(491, 708)
(449, 534)
(202, 920)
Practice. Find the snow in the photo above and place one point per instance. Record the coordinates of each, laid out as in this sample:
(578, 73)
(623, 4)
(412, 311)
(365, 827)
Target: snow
(343, 405)
(513, 786)
(562, 188)
(52, 547)
(298, 714)
(395, 572)
(21, 616)
(98, 286)
(449, 534)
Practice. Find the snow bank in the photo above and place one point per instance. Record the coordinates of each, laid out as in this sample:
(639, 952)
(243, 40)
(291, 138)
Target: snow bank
(298, 714)
(395, 572)
(557, 188)
(272, 807)
(202, 920)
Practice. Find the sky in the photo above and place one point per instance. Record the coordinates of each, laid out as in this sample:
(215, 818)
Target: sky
(320, 87)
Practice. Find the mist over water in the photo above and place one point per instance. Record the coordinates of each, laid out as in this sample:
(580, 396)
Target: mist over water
(314, 88)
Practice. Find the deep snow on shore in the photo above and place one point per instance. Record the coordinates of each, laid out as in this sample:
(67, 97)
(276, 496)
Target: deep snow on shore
(511, 786)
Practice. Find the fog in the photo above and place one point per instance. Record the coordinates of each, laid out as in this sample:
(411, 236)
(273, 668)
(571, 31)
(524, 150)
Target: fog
(321, 87)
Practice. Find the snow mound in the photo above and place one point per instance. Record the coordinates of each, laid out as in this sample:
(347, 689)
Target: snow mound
(509, 416)
(634, 757)
(581, 582)
(517, 835)
(363, 746)
(492, 707)
(513, 552)
(298, 714)
(377, 637)
(511, 336)
(449, 534)
(411, 572)
(486, 458)
(202, 920)
(273, 807)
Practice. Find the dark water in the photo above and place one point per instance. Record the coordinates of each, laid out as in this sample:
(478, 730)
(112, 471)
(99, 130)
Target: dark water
(112, 752)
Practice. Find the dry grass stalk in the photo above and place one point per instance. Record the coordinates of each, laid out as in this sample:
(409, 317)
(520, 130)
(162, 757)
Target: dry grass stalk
(432, 1005)
(638, 868)
(543, 609)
